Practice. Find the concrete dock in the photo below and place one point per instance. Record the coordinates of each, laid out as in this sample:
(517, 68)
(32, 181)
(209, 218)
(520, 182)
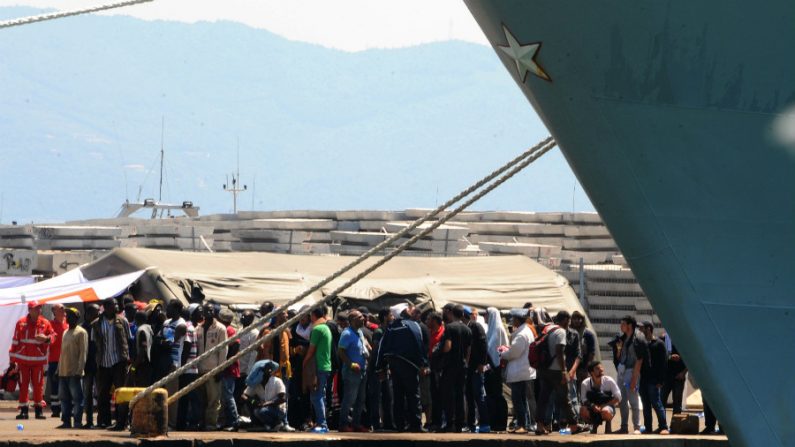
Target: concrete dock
(44, 433)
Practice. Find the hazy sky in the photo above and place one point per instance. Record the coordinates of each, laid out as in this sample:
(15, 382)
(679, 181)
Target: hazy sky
(350, 25)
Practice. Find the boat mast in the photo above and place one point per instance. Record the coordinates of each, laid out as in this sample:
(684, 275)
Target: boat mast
(162, 155)
(234, 187)
(162, 158)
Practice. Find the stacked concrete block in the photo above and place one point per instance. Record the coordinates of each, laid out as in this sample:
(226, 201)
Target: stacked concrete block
(59, 237)
(446, 240)
(276, 241)
(559, 240)
(534, 251)
(17, 236)
(476, 238)
(170, 236)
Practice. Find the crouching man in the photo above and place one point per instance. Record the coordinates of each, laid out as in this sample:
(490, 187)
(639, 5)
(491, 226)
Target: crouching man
(600, 395)
(266, 396)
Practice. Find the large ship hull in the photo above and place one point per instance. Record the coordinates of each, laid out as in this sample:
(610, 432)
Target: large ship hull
(677, 118)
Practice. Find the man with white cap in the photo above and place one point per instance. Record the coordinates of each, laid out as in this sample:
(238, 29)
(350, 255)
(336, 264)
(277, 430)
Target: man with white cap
(189, 407)
(29, 347)
(402, 351)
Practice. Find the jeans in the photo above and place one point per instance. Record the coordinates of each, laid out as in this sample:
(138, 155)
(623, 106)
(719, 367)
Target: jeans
(55, 394)
(297, 401)
(710, 421)
(107, 379)
(212, 403)
(553, 389)
(521, 411)
(228, 400)
(437, 408)
(318, 398)
(629, 398)
(677, 388)
(498, 408)
(88, 398)
(650, 396)
(270, 416)
(71, 390)
(240, 386)
(574, 395)
(189, 406)
(453, 393)
(406, 395)
(476, 398)
(353, 397)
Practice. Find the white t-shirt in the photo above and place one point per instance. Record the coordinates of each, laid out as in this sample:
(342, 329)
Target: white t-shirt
(269, 392)
(247, 361)
(608, 385)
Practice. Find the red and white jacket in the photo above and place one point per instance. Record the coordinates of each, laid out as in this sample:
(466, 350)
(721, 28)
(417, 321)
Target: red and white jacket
(25, 349)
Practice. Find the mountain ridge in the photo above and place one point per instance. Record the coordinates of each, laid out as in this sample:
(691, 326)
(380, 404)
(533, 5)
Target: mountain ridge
(81, 102)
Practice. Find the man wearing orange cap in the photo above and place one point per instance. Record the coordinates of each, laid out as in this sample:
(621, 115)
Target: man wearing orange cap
(29, 347)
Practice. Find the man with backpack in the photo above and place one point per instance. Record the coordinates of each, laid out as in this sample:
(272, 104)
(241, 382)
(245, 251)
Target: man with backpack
(551, 361)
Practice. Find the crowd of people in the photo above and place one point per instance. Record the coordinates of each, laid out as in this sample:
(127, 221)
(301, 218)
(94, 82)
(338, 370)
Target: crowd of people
(402, 369)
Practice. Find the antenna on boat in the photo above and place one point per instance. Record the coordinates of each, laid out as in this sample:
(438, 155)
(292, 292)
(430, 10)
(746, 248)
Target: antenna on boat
(234, 187)
(253, 193)
(162, 155)
(573, 195)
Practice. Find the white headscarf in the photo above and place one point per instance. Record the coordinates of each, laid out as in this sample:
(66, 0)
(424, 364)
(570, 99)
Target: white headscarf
(398, 309)
(496, 336)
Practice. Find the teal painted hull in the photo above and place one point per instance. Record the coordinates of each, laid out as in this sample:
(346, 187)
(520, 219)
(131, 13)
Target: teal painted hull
(678, 119)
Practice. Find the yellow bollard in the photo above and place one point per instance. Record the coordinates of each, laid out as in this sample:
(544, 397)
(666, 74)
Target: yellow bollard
(150, 414)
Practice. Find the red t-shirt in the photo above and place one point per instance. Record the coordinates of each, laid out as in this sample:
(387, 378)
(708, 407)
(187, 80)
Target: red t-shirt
(436, 337)
(55, 348)
(234, 369)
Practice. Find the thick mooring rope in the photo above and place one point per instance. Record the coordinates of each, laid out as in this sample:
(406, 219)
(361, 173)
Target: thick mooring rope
(61, 14)
(513, 167)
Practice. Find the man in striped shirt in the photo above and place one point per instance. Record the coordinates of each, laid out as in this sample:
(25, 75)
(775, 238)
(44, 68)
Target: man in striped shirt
(110, 335)
(189, 408)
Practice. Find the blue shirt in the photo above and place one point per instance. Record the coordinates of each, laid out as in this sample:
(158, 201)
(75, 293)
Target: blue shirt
(351, 342)
(175, 346)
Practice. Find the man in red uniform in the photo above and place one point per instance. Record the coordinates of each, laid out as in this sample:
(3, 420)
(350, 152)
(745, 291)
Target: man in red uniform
(59, 326)
(32, 337)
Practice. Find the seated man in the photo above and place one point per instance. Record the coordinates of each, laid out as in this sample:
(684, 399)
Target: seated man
(266, 396)
(600, 396)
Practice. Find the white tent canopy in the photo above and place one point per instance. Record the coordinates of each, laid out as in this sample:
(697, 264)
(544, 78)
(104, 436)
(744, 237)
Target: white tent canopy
(71, 287)
(250, 278)
(15, 281)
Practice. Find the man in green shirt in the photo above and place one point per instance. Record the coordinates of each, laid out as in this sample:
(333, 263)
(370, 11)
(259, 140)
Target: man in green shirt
(319, 357)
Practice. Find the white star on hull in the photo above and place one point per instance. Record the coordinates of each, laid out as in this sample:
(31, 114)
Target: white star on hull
(524, 56)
